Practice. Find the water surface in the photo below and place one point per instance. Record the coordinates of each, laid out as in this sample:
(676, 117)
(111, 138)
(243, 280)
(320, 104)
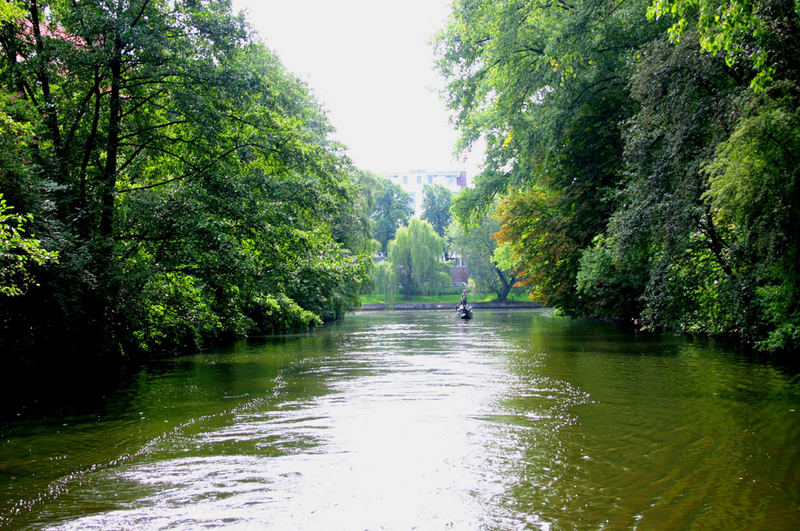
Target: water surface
(517, 419)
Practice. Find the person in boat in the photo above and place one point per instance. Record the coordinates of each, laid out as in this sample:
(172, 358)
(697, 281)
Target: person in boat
(463, 304)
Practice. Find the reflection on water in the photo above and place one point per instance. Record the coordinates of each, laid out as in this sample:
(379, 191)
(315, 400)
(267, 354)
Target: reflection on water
(402, 420)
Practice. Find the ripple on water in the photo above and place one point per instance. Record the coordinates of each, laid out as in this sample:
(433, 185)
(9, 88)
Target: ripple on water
(391, 437)
(420, 421)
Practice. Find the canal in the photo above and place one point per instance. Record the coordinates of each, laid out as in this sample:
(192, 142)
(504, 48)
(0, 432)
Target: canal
(401, 420)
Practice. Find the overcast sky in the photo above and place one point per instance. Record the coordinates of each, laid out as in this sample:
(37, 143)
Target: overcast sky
(370, 63)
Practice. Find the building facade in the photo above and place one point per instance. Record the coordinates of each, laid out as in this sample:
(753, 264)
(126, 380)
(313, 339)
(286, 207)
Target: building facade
(414, 182)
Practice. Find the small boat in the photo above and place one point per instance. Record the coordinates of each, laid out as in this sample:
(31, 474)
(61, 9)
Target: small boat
(464, 312)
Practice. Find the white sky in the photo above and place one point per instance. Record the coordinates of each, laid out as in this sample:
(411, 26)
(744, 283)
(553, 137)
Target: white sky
(371, 65)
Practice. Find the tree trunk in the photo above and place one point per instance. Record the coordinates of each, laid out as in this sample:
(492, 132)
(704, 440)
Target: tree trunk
(109, 176)
(501, 296)
(50, 112)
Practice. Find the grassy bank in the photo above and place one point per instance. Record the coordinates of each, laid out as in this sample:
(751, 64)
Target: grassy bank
(517, 296)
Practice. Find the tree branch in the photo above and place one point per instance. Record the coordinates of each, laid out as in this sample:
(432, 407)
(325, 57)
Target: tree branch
(82, 110)
(188, 175)
(130, 159)
(591, 86)
(152, 128)
(716, 243)
(138, 16)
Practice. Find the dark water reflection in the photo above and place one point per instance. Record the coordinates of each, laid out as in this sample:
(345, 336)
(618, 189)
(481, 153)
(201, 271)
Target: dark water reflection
(403, 420)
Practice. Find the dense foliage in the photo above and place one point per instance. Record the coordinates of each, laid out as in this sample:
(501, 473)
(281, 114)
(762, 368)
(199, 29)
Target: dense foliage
(436, 202)
(392, 210)
(643, 156)
(185, 181)
(491, 269)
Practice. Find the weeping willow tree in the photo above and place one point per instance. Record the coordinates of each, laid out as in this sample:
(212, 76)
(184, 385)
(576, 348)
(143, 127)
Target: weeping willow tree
(384, 281)
(416, 253)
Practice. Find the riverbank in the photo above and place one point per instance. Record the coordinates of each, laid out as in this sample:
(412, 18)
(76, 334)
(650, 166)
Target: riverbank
(498, 305)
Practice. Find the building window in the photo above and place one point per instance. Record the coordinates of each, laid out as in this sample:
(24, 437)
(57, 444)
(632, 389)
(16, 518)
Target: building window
(419, 179)
(405, 179)
(430, 179)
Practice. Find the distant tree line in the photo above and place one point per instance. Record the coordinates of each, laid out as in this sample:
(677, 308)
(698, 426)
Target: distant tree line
(410, 253)
(642, 156)
(165, 183)
(416, 254)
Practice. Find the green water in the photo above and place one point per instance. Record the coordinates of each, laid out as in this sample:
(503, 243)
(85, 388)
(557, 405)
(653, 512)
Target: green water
(414, 420)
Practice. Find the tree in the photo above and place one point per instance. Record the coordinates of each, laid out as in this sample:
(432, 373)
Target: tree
(546, 86)
(489, 265)
(392, 211)
(634, 174)
(754, 190)
(384, 281)
(665, 247)
(187, 181)
(705, 241)
(415, 253)
(358, 227)
(539, 232)
(436, 201)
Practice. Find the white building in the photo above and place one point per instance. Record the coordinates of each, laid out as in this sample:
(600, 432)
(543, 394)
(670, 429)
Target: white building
(414, 181)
